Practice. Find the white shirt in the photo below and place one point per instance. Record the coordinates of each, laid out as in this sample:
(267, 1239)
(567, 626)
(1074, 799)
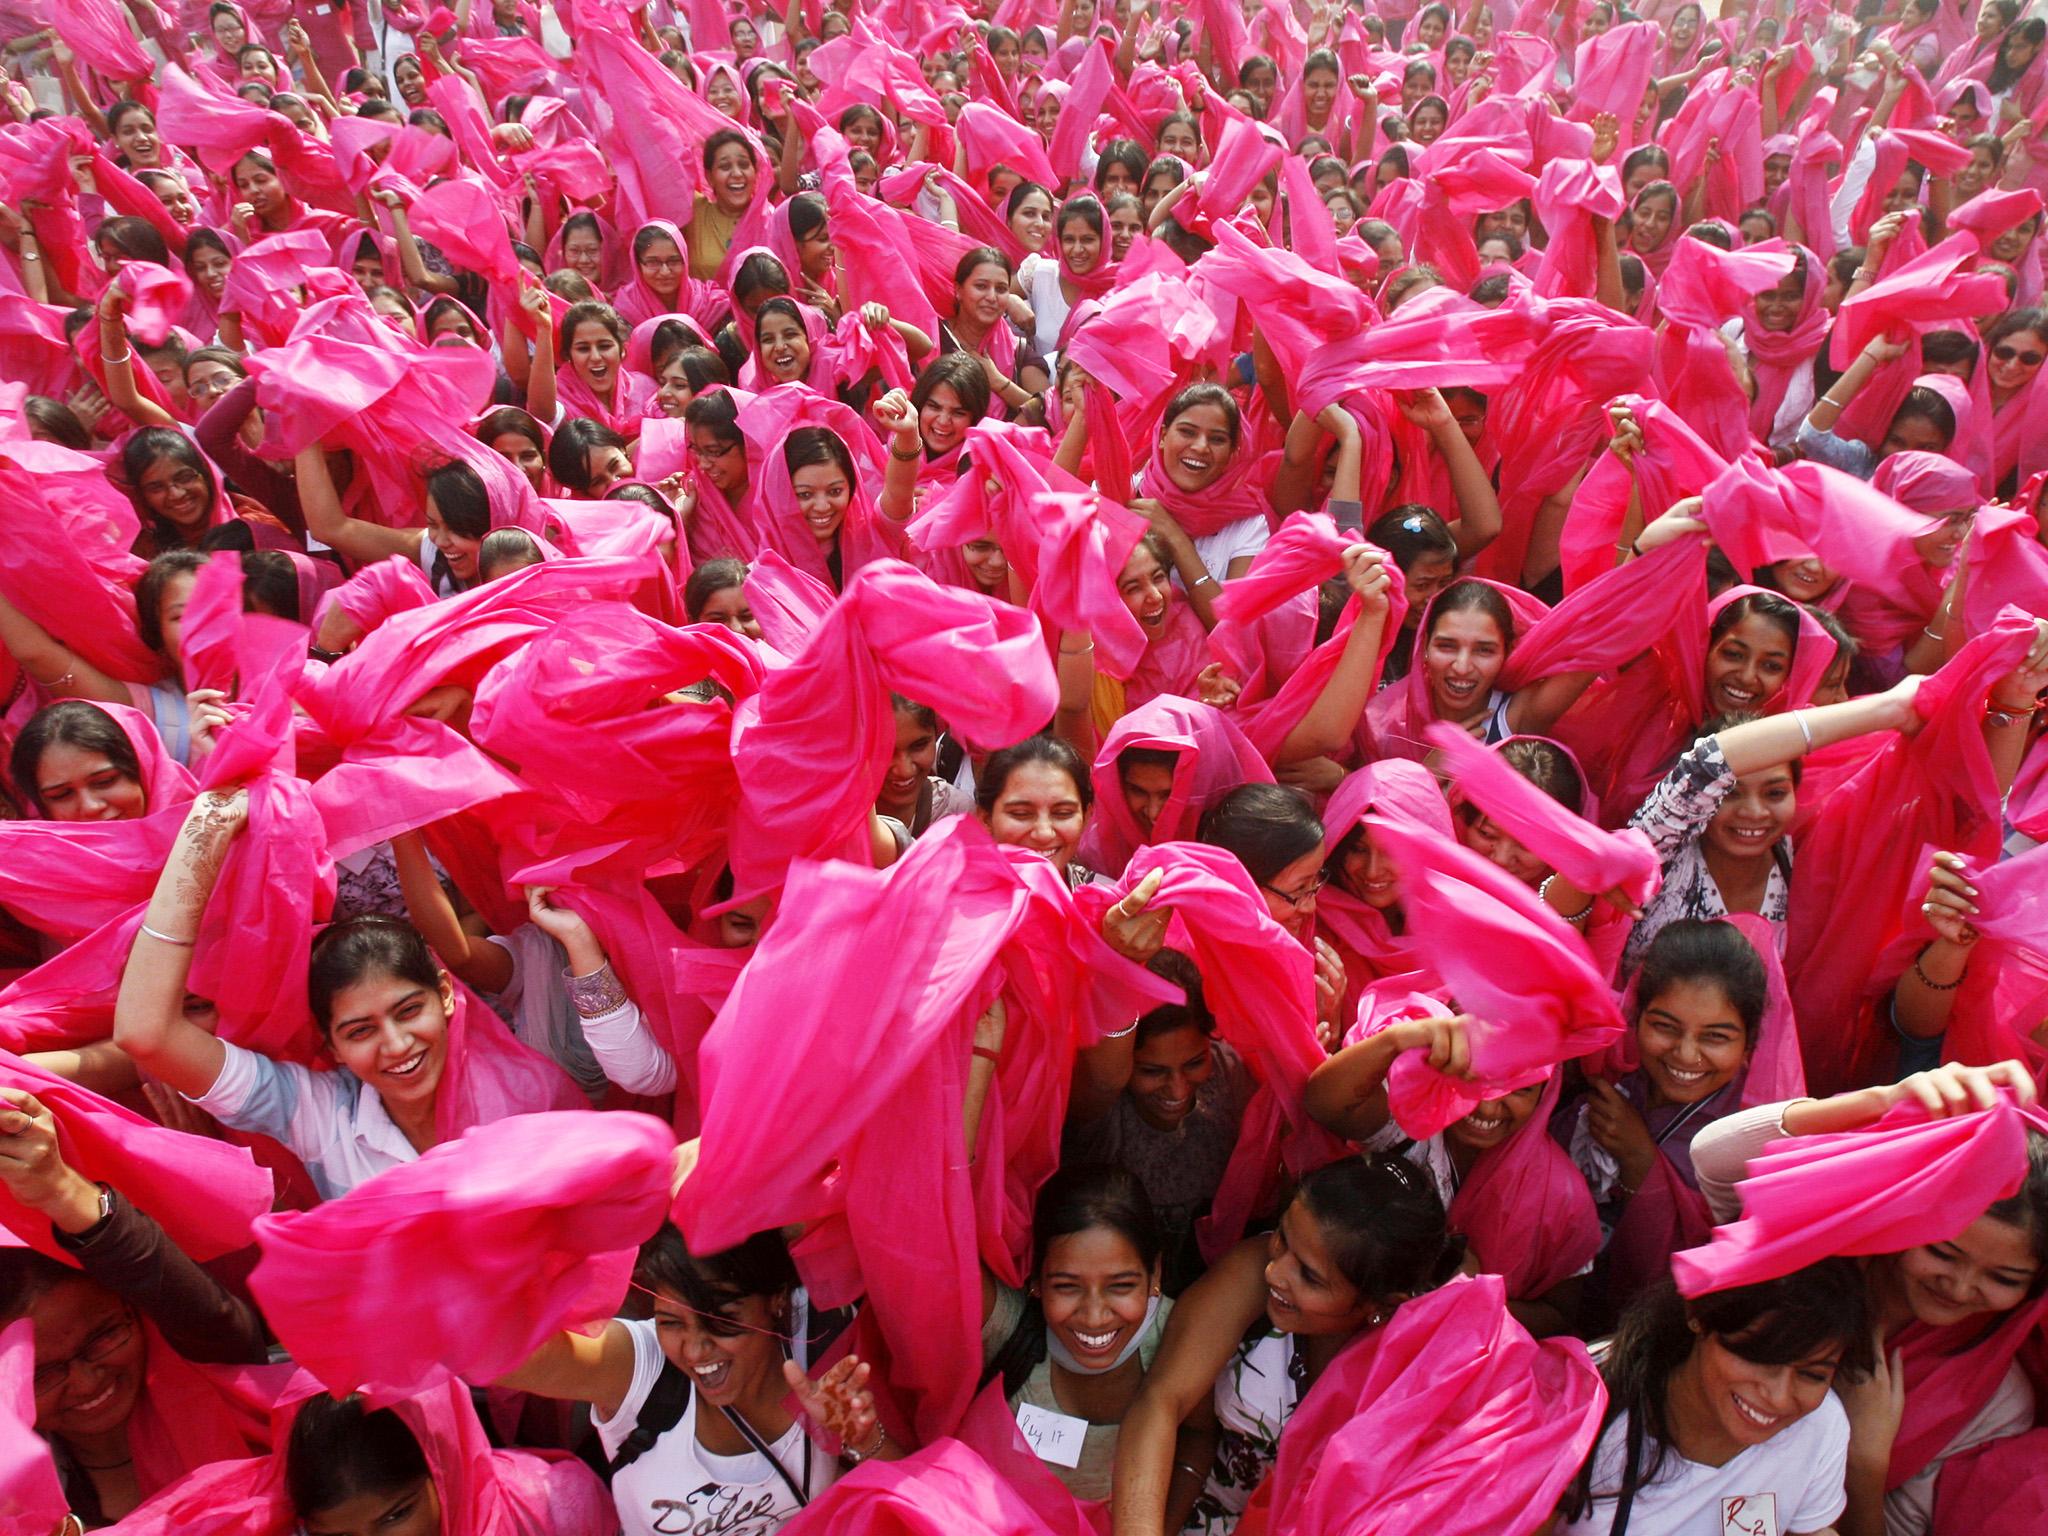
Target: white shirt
(1791, 1483)
(1243, 538)
(333, 1122)
(677, 1488)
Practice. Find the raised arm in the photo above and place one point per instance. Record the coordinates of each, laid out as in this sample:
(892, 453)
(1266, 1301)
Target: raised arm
(149, 1012)
(53, 665)
(118, 357)
(361, 542)
(1333, 717)
(1478, 521)
(1347, 1095)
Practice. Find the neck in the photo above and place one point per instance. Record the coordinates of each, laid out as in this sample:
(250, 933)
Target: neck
(415, 1122)
(1103, 1399)
(1463, 1158)
(970, 333)
(1741, 881)
(763, 1411)
(1695, 1428)
(1893, 1310)
(2000, 396)
(1319, 1349)
(107, 1450)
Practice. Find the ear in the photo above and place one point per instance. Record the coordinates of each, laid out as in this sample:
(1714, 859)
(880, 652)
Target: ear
(447, 993)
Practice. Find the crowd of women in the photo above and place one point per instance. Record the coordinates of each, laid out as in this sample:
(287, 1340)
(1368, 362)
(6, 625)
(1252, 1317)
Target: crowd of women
(1030, 768)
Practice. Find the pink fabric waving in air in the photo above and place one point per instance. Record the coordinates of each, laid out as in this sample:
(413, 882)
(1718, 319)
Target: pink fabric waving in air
(1450, 341)
(1510, 961)
(97, 31)
(1450, 1418)
(1900, 1183)
(1392, 787)
(1259, 982)
(542, 1213)
(32, 1501)
(821, 730)
(1589, 858)
(64, 561)
(790, 604)
(1526, 1208)
(377, 591)
(204, 1193)
(160, 296)
(943, 1490)
(1212, 759)
(887, 1055)
(483, 1492)
(1856, 893)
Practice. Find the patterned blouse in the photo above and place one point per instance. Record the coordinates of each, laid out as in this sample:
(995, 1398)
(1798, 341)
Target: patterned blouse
(1673, 817)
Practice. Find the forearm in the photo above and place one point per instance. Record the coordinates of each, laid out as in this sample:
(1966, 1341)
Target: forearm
(1334, 716)
(117, 360)
(1194, 1451)
(899, 480)
(1143, 1482)
(149, 1010)
(130, 1255)
(1827, 410)
(1864, 1485)
(433, 914)
(1073, 449)
(1347, 1095)
(1201, 588)
(1781, 738)
(540, 382)
(101, 1066)
(52, 665)
(1478, 508)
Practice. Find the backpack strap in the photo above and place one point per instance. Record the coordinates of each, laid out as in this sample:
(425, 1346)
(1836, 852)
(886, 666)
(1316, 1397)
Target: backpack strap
(667, 1401)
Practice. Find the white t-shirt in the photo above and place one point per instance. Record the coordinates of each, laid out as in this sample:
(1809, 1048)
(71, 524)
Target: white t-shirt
(1245, 537)
(677, 1488)
(1791, 1483)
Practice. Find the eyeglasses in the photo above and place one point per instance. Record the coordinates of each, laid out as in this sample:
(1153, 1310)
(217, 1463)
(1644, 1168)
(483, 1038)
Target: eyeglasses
(1301, 898)
(661, 264)
(103, 1345)
(2005, 352)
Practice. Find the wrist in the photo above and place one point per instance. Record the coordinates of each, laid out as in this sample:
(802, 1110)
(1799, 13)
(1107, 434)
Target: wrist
(74, 1206)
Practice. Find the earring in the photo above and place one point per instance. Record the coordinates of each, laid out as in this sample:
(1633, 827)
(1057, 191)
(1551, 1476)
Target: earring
(1693, 1323)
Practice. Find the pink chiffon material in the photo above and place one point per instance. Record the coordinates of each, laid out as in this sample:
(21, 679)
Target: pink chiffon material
(886, 1059)
(820, 733)
(32, 1498)
(1449, 1418)
(377, 1291)
(1526, 1209)
(1212, 758)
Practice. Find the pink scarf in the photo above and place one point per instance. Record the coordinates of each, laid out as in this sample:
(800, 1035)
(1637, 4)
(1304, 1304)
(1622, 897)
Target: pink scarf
(1775, 357)
(1212, 758)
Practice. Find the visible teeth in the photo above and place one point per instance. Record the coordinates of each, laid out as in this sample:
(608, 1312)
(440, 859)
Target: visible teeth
(1763, 1420)
(1278, 1300)
(1096, 1340)
(1683, 1075)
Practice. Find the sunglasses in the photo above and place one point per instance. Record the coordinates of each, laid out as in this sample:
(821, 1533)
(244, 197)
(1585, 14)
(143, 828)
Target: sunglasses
(2005, 352)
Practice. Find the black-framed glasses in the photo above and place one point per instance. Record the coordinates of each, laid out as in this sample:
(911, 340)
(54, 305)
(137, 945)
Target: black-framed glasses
(1305, 895)
(106, 1342)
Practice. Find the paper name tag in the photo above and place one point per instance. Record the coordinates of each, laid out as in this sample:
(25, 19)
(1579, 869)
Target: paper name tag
(1750, 1514)
(1057, 1437)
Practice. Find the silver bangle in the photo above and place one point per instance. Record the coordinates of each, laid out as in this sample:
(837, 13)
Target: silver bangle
(1543, 895)
(165, 938)
(1118, 1034)
(125, 357)
(1799, 719)
(1205, 576)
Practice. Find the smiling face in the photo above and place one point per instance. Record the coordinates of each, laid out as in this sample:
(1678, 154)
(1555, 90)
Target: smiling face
(1804, 580)
(661, 267)
(1652, 222)
(1462, 661)
(1938, 546)
(1147, 590)
(1743, 1403)
(1305, 1292)
(1095, 1290)
(81, 784)
(209, 269)
(823, 493)
(1747, 666)
(176, 491)
(784, 348)
(90, 1356)
(583, 253)
(606, 467)
(1755, 815)
(1318, 92)
(137, 139)
(392, 1033)
(1483, 837)
(595, 354)
(732, 177)
(1492, 1122)
(1197, 447)
(1147, 787)
(732, 1356)
(1167, 1070)
(1080, 246)
(721, 461)
(2015, 360)
(942, 421)
(233, 37)
(1291, 894)
(524, 452)
(1986, 1268)
(917, 752)
(1691, 1041)
(1428, 123)
(672, 390)
(457, 549)
(722, 94)
(981, 296)
(1125, 225)
(411, 82)
(1031, 220)
(1777, 309)
(1039, 808)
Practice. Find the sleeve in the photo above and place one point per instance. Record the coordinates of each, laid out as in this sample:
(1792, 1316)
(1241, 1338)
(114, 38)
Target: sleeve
(1685, 800)
(131, 1256)
(1721, 1153)
(1001, 1322)
(254, 1093)
(1843, 453)
(618, 1036)
(647, 1363)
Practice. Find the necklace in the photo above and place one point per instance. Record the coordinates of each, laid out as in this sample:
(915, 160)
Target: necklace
(105, 1466)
